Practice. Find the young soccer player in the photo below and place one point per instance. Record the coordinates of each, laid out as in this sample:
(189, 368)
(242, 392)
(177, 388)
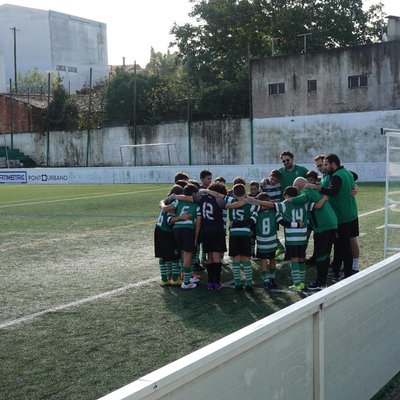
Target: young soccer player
(222, 180)
(312, 177)
(294, 219)
(265, 222)
(205, 179)
(272, 186)
(212, 202)
(165, 247)
(181, 176)
(186, 232)
(240, 238)
(254, 190)
(295, 236)
(324, 224)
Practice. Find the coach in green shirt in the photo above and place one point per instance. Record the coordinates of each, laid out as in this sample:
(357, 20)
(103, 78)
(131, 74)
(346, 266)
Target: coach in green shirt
(340, 187)
(290, 171)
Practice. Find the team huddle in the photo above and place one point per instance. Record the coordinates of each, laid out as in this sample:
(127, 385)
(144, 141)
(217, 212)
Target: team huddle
(197, 215)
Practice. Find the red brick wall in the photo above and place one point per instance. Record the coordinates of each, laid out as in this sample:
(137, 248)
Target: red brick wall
(24, 118)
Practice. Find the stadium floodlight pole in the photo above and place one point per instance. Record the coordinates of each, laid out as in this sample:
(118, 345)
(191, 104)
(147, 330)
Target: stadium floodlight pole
(15, 58)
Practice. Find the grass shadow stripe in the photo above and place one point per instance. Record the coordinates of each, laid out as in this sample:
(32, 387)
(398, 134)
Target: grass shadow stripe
(76, 303)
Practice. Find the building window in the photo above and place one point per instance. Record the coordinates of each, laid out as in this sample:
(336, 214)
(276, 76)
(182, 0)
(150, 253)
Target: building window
(72, 69)
(358, 81)
(61, 68)
(276, 88)
(312, 85)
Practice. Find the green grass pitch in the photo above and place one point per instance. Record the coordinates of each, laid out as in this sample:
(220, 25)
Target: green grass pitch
(81, 310)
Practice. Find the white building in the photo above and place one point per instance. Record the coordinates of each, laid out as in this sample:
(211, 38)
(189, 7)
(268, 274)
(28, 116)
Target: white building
(51, 41)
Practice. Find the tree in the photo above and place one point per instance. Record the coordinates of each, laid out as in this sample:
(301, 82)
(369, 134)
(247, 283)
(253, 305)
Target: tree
(216, 49)
(62, 112)
(33, 82)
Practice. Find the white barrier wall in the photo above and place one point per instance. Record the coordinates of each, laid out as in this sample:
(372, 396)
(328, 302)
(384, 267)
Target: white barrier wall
(368, 172)
(339, 344)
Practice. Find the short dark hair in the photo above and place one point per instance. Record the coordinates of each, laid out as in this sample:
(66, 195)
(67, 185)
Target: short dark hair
(263, 196)
(194, 182)
(181, 176)
(205, 173)
(333, 158)
(291, 191)
(220, 179)
(276, 173)
(255, 183)
(176, 189)
(287, 153)
(218, 187)
(312, 174)
(239, 179)
(182, 183)
(190, 189)
(239, 189)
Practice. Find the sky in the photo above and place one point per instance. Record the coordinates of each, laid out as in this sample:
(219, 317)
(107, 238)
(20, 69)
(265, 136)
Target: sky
(134, 26)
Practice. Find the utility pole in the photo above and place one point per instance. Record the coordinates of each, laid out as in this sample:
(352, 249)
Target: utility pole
(15, 58)
(134, 107)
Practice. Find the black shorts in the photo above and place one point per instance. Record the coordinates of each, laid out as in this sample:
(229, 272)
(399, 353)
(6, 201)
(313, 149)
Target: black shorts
(165, 246)
(185, 239)
(266, 256)
(213, 241)
(295, 251)
(240, 246)
(323, 242)
(354, 228)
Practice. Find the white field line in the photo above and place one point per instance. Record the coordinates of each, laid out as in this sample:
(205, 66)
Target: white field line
(101, 295)
(76, 303)
(79, 198)
(371, 212)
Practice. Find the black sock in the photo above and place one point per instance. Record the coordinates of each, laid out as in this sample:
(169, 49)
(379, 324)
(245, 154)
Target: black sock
(217, 272)
(210, 272)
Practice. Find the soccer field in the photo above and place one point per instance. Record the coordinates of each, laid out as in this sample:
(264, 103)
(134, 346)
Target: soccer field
(82, 312)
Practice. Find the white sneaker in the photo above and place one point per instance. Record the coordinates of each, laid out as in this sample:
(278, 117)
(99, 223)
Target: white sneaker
(188, 286)
(194, 280)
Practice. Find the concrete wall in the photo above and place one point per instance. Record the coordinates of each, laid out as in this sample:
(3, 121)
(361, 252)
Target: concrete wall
(340, 343)
(46, 39)
(331, 69)
(355, 137)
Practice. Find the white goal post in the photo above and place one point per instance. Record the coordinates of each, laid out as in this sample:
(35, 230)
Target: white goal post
(133, 156)
(392, 191)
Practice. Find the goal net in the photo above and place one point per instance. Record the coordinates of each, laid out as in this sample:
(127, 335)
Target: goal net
(155, 154)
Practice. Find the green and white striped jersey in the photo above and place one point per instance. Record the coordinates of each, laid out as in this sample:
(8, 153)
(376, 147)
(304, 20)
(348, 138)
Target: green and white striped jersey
(266, 235)
(242, 213)
(294, 213)
(185, 207)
